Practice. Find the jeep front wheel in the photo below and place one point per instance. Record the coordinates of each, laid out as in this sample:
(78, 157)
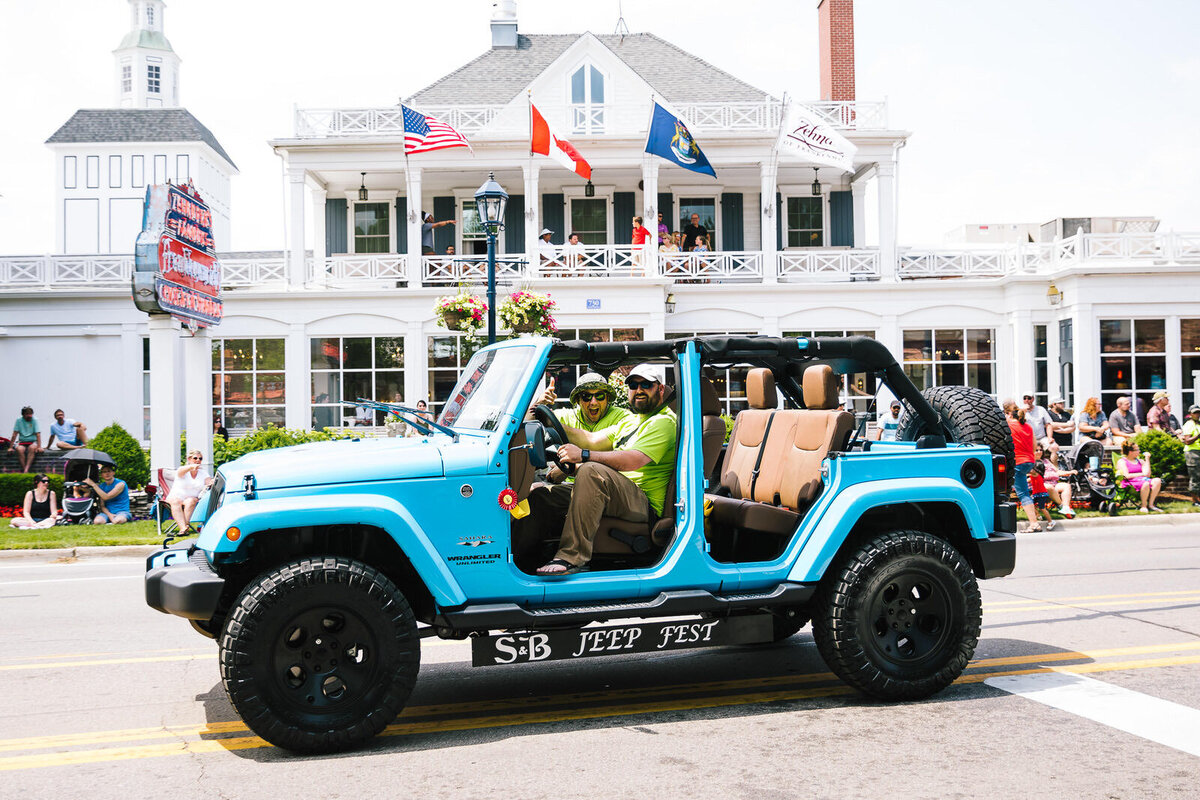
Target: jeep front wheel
(319, 655)
(899, 620)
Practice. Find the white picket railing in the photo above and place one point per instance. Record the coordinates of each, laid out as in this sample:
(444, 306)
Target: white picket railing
(817, 264)
(453, 270)
(320, 123)
(350, 269)
(253, 273)
(596, 261)
(718, 266)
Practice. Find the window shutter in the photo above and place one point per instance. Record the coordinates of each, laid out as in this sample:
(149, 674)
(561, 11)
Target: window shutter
(666, 206)
(841, 219)
(552, 217)
(779, 212)
(623, 213)
(732, 232)
(443, 237)
(335, 226)
(514, 224)
(401, 224)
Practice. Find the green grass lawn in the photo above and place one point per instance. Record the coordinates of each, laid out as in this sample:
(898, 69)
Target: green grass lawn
(1169, 506)
(143, 532)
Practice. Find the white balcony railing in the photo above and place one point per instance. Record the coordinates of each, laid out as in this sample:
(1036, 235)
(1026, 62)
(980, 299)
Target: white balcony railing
(765, 115)
(816, 264)
(453, 270)
(351, 269)
(720, 266)
(254, 273)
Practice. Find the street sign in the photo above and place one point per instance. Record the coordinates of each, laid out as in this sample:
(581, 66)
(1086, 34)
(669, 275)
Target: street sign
(176, 270)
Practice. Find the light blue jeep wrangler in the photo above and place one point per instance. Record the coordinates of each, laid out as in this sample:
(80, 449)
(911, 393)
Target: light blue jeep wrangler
(315, 563)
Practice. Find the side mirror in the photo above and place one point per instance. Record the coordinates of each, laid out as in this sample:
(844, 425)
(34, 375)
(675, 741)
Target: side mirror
(535, 439)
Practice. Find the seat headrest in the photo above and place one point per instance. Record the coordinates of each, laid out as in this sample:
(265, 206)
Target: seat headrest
(821, 388)
(710, 403)
(760, 388)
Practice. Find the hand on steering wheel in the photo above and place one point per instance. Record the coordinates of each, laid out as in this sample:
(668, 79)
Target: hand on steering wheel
(557, 436)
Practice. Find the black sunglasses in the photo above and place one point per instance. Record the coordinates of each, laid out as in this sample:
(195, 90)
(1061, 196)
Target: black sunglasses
(636, 384)
(585, 397)
(43, 480)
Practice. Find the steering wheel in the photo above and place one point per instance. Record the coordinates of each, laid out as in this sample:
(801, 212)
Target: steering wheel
(558, 436)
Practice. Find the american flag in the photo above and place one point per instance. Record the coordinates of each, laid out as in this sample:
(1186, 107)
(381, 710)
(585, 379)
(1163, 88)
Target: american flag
(422, 133)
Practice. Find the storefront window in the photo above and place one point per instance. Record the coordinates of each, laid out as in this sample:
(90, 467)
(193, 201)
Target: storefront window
(248, 383)
(349, 368)
(1189, 339)
(1133, 362)
(447, 356)
(1041, 367)
(951, 357)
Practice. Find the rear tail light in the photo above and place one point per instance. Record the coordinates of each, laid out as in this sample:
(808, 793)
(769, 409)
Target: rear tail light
(1000, 474)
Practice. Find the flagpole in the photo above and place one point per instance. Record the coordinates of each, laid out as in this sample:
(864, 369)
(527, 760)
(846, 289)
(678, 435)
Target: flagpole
(650, 123)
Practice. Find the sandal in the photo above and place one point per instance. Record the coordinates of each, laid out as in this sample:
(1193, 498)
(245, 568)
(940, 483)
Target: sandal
(1050, 525)
(1155, 508)
(557, 566)
(1032, 529)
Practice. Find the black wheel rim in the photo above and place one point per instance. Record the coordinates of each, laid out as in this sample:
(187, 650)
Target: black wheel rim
(909, 619)
(324, 659)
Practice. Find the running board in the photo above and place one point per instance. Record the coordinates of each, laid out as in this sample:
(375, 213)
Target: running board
(687, 602)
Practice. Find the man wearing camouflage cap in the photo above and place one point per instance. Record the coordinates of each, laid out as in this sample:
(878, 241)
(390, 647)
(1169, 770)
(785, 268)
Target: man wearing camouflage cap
(592, 407)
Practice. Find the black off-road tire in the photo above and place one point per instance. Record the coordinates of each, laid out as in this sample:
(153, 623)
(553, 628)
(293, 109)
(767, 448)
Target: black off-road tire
(900, 618)
(320, 654)
(969, 416)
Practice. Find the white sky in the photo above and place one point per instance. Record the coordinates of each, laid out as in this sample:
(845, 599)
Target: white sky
(1021, 111)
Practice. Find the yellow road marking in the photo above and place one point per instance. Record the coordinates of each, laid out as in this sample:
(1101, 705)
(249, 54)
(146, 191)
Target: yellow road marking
(106, 661)
(1043, 606)
(538, 717)
(1083, 597)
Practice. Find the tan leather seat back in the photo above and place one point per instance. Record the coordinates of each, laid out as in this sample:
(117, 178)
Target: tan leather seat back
(821, 388)
(760, 389)
(712, 427)
(818, 429)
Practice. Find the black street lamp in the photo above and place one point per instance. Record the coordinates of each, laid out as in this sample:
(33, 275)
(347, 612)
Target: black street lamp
(490, 201)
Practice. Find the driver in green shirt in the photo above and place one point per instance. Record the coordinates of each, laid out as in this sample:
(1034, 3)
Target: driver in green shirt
(622, 472)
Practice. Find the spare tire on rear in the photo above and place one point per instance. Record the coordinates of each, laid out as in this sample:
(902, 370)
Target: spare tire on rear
(969, 416)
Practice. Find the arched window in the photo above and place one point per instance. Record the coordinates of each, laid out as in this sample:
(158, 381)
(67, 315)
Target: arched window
(587, 100)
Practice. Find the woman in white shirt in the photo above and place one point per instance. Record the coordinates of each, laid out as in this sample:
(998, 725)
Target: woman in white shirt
(190, 482)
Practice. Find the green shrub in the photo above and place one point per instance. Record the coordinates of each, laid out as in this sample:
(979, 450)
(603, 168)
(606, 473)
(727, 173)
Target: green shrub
(14, 485)
(266, 438)
(1164, 451)
(617, 382)
(728, 420)
(132, 466)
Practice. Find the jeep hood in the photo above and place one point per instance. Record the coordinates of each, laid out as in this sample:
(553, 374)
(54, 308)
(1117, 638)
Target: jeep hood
(341, 461)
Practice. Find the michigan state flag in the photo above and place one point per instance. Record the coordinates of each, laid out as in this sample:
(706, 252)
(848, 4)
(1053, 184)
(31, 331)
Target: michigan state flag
(670, 139)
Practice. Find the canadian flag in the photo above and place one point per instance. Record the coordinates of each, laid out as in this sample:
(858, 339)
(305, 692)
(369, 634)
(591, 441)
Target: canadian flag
(543, 140)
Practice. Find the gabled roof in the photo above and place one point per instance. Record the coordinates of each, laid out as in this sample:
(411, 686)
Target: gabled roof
(501, 74)
(136, 125)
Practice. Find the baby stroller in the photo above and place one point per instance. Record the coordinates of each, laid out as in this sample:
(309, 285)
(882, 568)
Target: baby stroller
(1095, 478)
(77, 510)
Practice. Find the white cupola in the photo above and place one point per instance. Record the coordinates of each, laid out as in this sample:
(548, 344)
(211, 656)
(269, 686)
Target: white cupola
(504, 24)
(147, 67)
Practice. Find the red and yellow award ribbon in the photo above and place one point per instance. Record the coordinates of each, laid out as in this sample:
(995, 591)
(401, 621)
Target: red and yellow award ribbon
(508, 499)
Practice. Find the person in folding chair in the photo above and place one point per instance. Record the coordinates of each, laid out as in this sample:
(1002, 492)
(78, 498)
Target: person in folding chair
(190, 482)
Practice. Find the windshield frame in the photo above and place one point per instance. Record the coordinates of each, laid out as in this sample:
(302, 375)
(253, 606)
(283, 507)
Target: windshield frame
(503, 373)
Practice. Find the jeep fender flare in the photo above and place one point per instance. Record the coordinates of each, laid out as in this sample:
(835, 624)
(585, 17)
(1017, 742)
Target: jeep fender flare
(373, 510)
(837, 517)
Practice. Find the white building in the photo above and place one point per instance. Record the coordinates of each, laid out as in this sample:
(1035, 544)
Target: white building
(344, 310)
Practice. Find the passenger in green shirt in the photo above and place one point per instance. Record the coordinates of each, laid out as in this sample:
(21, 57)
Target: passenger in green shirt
(592, 405)
(1190, 435)
(622, 472)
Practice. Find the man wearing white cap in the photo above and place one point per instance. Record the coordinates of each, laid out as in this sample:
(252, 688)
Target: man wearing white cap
(546, 250)
(1062, 425)
(622, 472)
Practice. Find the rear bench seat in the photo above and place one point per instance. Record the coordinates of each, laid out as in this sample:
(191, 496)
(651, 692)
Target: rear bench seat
(772, 468)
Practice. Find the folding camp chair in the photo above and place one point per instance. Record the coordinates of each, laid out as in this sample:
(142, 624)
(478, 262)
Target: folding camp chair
(168, 528)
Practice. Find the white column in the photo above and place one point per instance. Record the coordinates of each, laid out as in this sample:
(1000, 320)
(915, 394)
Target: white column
(320, 275)
(532, 220)
(131, 376)
(1054, 384)
(1176, 380)
(297, 269)
(650, 211)
(416, 271)
(197, 392)
(858, 202)
(297, 386)
(416, 365)
(767, 233)
(1087, 353)
(886, 175)
(164, 424)
(1021, 368)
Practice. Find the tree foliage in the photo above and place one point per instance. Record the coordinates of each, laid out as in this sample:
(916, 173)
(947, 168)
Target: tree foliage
(266, 438)
(1164, 451)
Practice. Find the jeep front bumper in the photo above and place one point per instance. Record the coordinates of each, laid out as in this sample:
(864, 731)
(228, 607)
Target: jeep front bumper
(180, 581)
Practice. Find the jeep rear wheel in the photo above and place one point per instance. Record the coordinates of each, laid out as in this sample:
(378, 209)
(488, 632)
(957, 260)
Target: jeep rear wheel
(900, 619)
(319, 655)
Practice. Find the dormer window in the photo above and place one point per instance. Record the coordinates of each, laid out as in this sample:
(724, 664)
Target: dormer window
(153, 79)
(150, 16)
(587, 100)
(126, 78)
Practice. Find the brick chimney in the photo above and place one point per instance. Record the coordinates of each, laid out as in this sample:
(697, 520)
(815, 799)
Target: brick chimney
(835, 19)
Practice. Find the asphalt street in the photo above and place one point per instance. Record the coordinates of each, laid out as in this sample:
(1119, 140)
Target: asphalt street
(1086, 684)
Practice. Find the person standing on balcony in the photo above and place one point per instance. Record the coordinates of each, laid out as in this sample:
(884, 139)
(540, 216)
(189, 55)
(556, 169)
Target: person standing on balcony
(641, 244)
(427, 232)
(664, 232)
(692, 232)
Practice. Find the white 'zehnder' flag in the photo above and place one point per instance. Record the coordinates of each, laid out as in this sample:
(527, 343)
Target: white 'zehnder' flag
(808, 136)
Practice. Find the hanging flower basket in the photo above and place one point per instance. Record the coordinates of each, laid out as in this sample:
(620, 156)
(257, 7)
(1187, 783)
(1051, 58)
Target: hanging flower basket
(528, 312)
(460, 312)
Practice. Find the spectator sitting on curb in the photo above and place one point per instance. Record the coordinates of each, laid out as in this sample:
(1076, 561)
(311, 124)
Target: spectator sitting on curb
(1159, 415)
(40, 509)
(1122, 423)
(1092, 423)
(113, 495)
(1062, 424)
(1190, 436)
(71, 435)
(27, 438)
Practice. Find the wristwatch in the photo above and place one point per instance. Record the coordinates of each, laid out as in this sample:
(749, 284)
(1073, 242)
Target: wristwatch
(584, 455)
